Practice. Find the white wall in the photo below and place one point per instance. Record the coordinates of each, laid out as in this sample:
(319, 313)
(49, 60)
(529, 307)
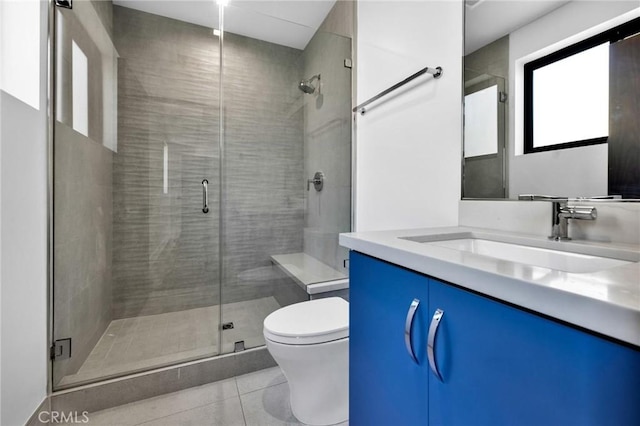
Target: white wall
(23, 245)
(564, 26)
(409, 143)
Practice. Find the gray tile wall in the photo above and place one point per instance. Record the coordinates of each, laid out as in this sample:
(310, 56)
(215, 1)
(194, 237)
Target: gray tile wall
(165, 248)
(264, 181)
(327, 138)
(82, 206)
(83, 243)
(492, 59)
(104, 9)
(341, 19)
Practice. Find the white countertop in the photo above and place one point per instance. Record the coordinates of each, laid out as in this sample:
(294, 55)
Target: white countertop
(606, 301)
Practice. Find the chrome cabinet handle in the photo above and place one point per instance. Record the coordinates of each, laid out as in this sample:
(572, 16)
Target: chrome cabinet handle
(433, 332)
(205, 196)
(407, 328)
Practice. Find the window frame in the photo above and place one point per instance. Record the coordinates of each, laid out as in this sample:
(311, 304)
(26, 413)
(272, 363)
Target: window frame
(612, 35)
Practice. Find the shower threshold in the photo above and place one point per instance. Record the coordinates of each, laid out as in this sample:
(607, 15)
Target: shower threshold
(141, 343)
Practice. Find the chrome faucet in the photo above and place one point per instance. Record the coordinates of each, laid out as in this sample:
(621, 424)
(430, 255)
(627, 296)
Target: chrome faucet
(561, 212)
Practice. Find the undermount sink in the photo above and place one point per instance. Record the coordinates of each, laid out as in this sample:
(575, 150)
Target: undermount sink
(565, 259)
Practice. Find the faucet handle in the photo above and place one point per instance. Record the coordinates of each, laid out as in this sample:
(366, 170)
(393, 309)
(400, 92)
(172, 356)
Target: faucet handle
(580, 212)
(540, 197)
(562, 212)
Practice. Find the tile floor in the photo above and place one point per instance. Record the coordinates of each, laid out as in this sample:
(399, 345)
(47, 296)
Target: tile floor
(260, 398)
(139, 343)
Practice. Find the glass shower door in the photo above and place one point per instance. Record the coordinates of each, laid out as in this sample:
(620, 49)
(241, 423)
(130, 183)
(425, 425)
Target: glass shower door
(136, 157)
(276, 136)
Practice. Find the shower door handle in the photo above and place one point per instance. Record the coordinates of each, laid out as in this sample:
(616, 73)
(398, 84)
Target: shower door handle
(205, 196)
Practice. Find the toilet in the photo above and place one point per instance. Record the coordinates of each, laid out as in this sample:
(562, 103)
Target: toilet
(310, 343)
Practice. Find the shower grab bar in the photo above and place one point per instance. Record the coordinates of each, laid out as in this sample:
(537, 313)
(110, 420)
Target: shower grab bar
(436, 72)
(205, 196)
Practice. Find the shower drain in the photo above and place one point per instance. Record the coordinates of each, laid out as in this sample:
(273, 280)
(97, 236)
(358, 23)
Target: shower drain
(227, 326)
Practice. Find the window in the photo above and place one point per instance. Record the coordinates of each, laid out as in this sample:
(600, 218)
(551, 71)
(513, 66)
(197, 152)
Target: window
(566, 94)
(20, 50)
(481, 122)
(80, 89)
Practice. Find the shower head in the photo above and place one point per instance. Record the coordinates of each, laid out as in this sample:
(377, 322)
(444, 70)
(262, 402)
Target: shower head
(307, 85)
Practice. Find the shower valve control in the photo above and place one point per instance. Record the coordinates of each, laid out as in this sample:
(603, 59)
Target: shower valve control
(317, 181)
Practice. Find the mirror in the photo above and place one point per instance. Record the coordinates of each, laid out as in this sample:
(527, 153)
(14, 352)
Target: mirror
(510, 46)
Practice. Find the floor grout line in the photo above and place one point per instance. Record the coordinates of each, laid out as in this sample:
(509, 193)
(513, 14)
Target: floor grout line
(192, 408)
(195, 408)
(265, 387)
(244, 418)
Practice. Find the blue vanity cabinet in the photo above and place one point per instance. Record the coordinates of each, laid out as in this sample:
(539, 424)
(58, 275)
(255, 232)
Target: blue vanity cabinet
(386, 386)
(501, 365)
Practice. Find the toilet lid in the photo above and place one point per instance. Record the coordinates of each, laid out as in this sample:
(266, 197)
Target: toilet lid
(307, 323)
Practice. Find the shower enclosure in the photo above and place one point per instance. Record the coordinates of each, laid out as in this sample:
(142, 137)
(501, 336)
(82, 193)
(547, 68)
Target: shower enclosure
(182, 211)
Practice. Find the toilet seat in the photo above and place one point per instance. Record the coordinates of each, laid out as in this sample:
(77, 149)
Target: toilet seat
(308, 323)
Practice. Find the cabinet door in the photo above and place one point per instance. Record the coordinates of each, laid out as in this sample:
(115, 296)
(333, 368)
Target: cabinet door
(386, 386)
(503, 366)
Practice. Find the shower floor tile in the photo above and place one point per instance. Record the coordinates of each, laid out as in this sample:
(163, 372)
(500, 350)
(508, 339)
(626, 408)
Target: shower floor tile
(140, 343)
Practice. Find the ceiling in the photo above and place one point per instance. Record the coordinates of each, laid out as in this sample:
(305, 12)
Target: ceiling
(289, 23)
(488, 20)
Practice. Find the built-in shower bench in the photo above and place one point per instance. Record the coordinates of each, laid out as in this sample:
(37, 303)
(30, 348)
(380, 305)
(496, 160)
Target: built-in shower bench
(313, 276)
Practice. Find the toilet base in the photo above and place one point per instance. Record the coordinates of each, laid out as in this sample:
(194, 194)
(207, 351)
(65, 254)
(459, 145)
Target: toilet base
(318, 377)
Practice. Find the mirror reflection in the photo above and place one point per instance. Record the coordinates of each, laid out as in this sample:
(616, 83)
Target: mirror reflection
(551, 99)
